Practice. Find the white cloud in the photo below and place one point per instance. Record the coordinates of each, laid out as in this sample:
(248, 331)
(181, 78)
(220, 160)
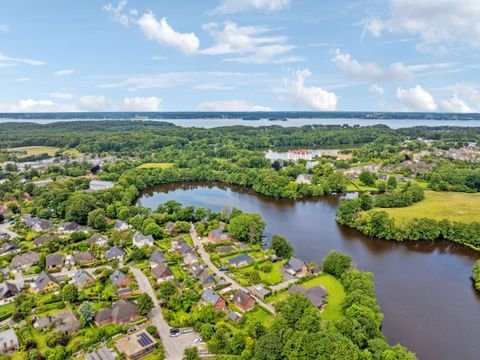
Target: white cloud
(93, 103)
(234, 6)
(6, 61)
(83, 103)
(60, 95)
(4, 28)
(248, 44)
(65, 72)
(22, 79)
(370, 72)
(141, 104)
(376, 89)
(455, 104)
(164, 34)
(116, 13)
(436, 22)
(315, 98)
(231, 105)
(214, 86)
(417, 99)
(30, 105)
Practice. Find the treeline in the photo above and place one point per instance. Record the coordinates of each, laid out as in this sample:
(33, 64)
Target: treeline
(476, 275)
(462, 177)
(298, 332)
(380, 224)
(137, 136)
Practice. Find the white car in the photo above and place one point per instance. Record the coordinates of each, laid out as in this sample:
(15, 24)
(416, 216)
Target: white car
(197, 341)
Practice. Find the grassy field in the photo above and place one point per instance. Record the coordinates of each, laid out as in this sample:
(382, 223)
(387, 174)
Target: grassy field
(35, 150)
(335, 295)
(453, 206)
(156, 165)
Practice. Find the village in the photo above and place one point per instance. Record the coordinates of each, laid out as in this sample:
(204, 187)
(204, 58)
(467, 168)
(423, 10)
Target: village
(78, 284)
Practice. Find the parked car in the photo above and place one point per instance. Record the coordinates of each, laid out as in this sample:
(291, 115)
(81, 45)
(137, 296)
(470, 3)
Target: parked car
(174, 332)
(197, 341)
(223, 268)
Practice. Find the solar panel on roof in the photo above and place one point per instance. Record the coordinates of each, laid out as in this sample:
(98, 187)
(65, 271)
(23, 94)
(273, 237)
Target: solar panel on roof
(144, 340)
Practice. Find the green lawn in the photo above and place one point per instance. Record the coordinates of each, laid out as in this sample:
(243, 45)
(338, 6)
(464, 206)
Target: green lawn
(335, 295)
(260, 314)
(156, 165)
(271, 278)
(7, 308)
(35, 150)
(357, 185)
(453, 206)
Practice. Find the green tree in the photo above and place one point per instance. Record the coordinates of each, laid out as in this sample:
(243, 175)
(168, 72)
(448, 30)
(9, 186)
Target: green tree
(476, 274)
(96, 219)
(282, 247)
(191, 353)
(247, 227)
(144, 304)
(154, 230)
(86, 312)
(392, 182)
(367, 177)
(336, 264)
(70, 293)
(78, 206)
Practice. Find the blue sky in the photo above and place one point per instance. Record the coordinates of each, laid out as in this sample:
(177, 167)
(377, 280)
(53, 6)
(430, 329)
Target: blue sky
(228, 55)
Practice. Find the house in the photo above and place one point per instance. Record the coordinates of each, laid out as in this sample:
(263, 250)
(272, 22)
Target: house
(135, 346)
(170, 228)
(114, 253)
(234, 316)
(211, 297)
(9, 248)
(259, 291)
(69, 227)
(124, 293)
(120, 225)
(7, 292)
(243, 301)
(82, 279)
(196, 269)
(84, 257)
(304, 179)
(225, 249)
(42, 240)
(54, 261)
(64, 322)
(104, 353)
(161, 272)
(120, 279)
(121, 312)
(189, 258)
(97, 185)
(157, 257)
(207, 279)
(8, 341)
(218, 235)
(36, 224)
(240, 260)
(25, 261)
(97, 240)
(296, 267)
(315, 294)
(44, 283)
(301, 154)
(141, 240)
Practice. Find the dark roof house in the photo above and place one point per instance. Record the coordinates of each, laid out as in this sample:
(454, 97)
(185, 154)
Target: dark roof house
(161, 272)
(122, 312)
(84, 257)
(25, 260)
(315, 294)
(114, 253)
(120, 279)
(83, 279)
(8, 290)
(243, 301)
(157, 257)
(240, 260)
(54, 261)
(98, 240)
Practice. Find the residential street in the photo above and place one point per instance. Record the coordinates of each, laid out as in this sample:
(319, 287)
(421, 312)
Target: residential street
(206, 258)
(174, 346)
(4, 228)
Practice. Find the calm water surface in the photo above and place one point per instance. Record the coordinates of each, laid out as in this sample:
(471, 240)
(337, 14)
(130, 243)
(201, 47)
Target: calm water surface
(424, 289)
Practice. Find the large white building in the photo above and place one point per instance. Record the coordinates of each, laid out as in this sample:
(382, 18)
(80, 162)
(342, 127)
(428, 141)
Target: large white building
(97, 185)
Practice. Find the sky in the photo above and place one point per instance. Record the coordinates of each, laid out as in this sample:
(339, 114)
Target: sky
(240, 55)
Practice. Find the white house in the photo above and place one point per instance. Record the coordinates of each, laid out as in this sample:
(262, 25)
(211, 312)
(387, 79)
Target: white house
(97, 185)
(141, 240)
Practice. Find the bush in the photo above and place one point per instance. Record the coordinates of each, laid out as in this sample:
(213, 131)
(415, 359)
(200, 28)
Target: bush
(336, 264)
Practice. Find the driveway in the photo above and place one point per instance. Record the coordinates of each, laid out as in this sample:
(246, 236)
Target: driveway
(206, 258)
(4, 228)
(174, 346)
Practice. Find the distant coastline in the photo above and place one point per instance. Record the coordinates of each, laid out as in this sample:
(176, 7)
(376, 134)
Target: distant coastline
(393, 120)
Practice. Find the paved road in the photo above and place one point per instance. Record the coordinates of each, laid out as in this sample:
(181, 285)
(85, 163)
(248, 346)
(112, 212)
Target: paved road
(174, 346)
(206, 258)
(283, 285)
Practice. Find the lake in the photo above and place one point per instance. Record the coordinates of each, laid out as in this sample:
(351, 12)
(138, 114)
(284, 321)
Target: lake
(424, 288)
